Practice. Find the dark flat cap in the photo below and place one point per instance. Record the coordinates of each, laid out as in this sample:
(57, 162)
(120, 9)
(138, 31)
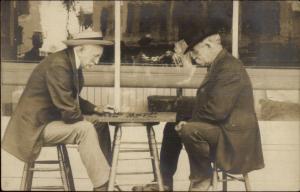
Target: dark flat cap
(211, 27)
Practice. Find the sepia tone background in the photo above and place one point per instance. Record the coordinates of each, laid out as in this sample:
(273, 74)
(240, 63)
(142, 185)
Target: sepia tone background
(269, 46)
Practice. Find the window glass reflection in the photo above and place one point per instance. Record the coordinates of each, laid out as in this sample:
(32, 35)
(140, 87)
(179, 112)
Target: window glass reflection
(269, 30)
(152, 29)
(270, 33)
(31, 30)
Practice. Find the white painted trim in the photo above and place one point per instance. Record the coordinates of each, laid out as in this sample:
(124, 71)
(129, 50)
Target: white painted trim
(117, 54)
(235, 28)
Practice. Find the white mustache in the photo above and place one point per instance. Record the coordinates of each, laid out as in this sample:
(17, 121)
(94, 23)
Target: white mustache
(88, 66)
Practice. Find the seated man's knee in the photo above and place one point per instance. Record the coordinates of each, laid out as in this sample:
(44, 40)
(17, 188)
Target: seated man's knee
(193, 130)
(84, 128)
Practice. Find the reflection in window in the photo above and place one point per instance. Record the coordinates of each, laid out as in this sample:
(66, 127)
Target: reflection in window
(31, 30)
(269, 33)
(152, 27)
(269, 30)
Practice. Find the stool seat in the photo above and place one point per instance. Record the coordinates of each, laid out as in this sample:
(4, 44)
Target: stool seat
(64, 168)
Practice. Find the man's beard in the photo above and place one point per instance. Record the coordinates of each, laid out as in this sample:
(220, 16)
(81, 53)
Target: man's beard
(88, 66)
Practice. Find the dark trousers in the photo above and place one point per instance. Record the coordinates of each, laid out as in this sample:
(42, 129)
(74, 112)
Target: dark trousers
(104, 140)
(200, 140)
(169, 154)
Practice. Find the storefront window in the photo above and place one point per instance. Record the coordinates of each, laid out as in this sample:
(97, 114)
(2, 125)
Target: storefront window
(31, 30)
(151, 28)
(270, 33)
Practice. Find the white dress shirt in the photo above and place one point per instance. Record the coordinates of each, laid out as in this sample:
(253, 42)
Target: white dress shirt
(77, 61)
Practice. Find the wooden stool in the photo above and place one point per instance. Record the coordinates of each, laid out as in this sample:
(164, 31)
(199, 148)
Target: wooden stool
(228, 177)
(117, 149)
(64, 169)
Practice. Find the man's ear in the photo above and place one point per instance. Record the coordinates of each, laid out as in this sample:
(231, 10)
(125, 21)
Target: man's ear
(218, 39)
(214, 40)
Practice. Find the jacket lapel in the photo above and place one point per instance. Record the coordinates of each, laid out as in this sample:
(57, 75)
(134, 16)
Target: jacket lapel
(71, 56)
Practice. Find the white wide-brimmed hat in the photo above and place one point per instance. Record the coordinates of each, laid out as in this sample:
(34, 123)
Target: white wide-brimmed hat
(87, 37)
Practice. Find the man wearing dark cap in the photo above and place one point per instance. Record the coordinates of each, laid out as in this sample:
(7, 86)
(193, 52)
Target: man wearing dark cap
(223, 127)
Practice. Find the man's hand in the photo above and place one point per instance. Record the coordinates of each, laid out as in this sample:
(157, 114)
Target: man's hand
(179, 126)
(177, 59)
(106, 109)
(110, 109)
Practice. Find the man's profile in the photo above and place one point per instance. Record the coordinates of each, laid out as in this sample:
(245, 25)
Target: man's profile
(51, 111)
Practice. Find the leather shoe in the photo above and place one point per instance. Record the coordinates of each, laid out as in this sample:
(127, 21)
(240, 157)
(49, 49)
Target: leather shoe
(200, 185)
(150, 187)
(103, 187)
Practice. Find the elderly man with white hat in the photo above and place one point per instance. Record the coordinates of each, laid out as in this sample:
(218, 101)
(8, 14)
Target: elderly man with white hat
(51, 112)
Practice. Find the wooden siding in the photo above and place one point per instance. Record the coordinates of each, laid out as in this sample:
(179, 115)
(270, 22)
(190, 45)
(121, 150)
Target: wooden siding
(139, 82)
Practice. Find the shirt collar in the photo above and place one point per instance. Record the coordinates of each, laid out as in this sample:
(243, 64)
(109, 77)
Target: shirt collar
(77, 61)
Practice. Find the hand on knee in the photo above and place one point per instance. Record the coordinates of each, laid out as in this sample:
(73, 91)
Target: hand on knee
(184, 132)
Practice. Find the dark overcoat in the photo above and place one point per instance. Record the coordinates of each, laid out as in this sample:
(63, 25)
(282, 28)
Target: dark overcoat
(51, 93)
(225, 97)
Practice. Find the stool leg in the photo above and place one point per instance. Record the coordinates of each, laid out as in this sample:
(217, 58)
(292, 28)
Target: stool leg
(116, 149)
(215, 178)
(151, 154)
(66, 167)
(26, 182)
(154, 154)
(247, 183)
(62, 168)
(224, 182)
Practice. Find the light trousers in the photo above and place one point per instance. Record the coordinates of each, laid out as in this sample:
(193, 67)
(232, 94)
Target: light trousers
(84, 134)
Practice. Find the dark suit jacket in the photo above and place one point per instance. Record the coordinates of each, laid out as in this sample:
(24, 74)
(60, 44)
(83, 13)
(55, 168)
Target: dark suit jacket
(225, 98)
(51, 94)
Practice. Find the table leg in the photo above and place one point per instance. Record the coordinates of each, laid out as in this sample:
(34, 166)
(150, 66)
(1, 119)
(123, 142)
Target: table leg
(116, 149)
(154, 154)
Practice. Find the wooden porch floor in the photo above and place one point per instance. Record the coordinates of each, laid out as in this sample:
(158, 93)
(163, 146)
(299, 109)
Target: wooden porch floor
(280, 145)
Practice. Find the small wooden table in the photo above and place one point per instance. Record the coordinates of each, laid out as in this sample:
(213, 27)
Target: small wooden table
(136, 119)
(148, 117)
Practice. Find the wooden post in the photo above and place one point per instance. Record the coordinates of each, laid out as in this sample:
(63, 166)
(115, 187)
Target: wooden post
(235, 29)
(117, 89)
